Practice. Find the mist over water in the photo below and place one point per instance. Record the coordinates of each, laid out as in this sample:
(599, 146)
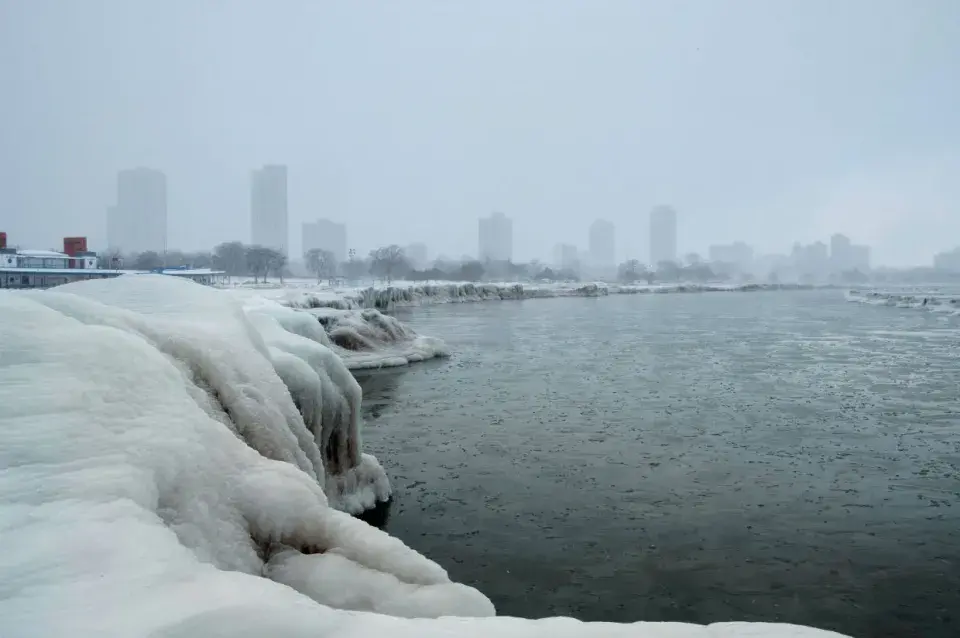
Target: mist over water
(770, 456)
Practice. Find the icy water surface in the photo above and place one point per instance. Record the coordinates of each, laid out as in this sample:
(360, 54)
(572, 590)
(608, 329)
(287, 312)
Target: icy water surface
(767, 456)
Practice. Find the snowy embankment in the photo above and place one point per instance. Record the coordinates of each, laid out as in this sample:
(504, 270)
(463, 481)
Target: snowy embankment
(401, 294)
(929, 300)
(174, 464)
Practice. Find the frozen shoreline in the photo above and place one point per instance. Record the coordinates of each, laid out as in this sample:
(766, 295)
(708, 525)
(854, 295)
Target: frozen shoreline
(178, 462)
(307, 294)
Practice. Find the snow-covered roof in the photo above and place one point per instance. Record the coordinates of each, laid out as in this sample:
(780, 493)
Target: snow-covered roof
(90, 272)
(192, 272)
(42, 253)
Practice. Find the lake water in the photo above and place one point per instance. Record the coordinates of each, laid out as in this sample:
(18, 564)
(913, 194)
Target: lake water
(779, 456)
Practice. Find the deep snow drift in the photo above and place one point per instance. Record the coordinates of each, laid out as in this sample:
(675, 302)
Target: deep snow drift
(157, 478)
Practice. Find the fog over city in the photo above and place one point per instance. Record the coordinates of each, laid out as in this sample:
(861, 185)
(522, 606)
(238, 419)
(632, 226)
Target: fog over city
(764, 122)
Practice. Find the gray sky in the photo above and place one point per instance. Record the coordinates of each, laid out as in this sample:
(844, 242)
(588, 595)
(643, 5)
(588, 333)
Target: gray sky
(761, 120)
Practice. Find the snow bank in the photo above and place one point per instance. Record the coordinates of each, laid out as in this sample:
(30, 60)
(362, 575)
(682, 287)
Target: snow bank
(154, 481)
(932, 301)
(385, 298)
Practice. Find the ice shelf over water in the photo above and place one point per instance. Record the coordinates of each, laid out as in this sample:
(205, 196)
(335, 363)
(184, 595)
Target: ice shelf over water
(170, 460)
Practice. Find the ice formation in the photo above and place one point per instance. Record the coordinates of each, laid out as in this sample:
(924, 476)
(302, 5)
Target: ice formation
(156, 479)
(400, 295)
(930, 300)
(369, 339)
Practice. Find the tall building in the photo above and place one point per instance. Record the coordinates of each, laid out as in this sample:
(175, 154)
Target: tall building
(269, 225)
(663, 235)
(602, 243)
(138, 221)
(324, 234)
(495, 238)
(846, 256)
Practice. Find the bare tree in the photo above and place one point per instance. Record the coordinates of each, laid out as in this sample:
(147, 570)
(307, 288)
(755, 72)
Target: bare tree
(388, 262)
(321, 262)
(259, 262)
(668, 270)
(110, 260)
(149, 260)
(472, 271)
(277, 263)
(231, 257)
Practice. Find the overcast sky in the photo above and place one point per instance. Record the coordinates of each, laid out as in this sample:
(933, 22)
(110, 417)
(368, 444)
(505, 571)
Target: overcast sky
(763, 120)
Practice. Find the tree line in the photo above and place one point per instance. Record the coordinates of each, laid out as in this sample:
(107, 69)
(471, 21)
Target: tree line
(234, 258)
(694, 269)
(389, 263)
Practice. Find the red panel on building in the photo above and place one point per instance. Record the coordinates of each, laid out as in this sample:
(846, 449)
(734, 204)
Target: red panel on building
(74, 245)
(3, 240)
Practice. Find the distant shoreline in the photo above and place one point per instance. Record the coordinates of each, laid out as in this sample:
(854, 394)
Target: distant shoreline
(394, 296)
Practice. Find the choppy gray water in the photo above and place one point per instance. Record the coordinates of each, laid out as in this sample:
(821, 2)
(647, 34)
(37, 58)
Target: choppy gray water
(771, 456)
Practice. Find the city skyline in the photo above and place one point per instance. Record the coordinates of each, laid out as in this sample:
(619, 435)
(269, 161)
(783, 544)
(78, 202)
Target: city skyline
(142, 193)
(403, 145)
(268, 200)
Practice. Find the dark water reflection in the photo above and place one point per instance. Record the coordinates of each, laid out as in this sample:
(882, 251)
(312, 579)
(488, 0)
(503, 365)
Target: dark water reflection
(770, 456)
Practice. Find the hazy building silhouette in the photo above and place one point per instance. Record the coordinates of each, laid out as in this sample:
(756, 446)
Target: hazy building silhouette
(860, 257)
(811, 262)
(138, 221)
(663, 235)
(269, 224)
(736, 254)
(566, 257)
(846, 256)
(416, 254)
(841, 256)
(495, 238)
(948, 261)
(324, 234)
(602, 243)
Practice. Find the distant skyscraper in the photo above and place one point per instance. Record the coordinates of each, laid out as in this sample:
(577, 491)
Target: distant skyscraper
(268, 208)
(663, 235)
(138, 221)
(326, 235)
(602, 243)
(566, 257)
(495, 238)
